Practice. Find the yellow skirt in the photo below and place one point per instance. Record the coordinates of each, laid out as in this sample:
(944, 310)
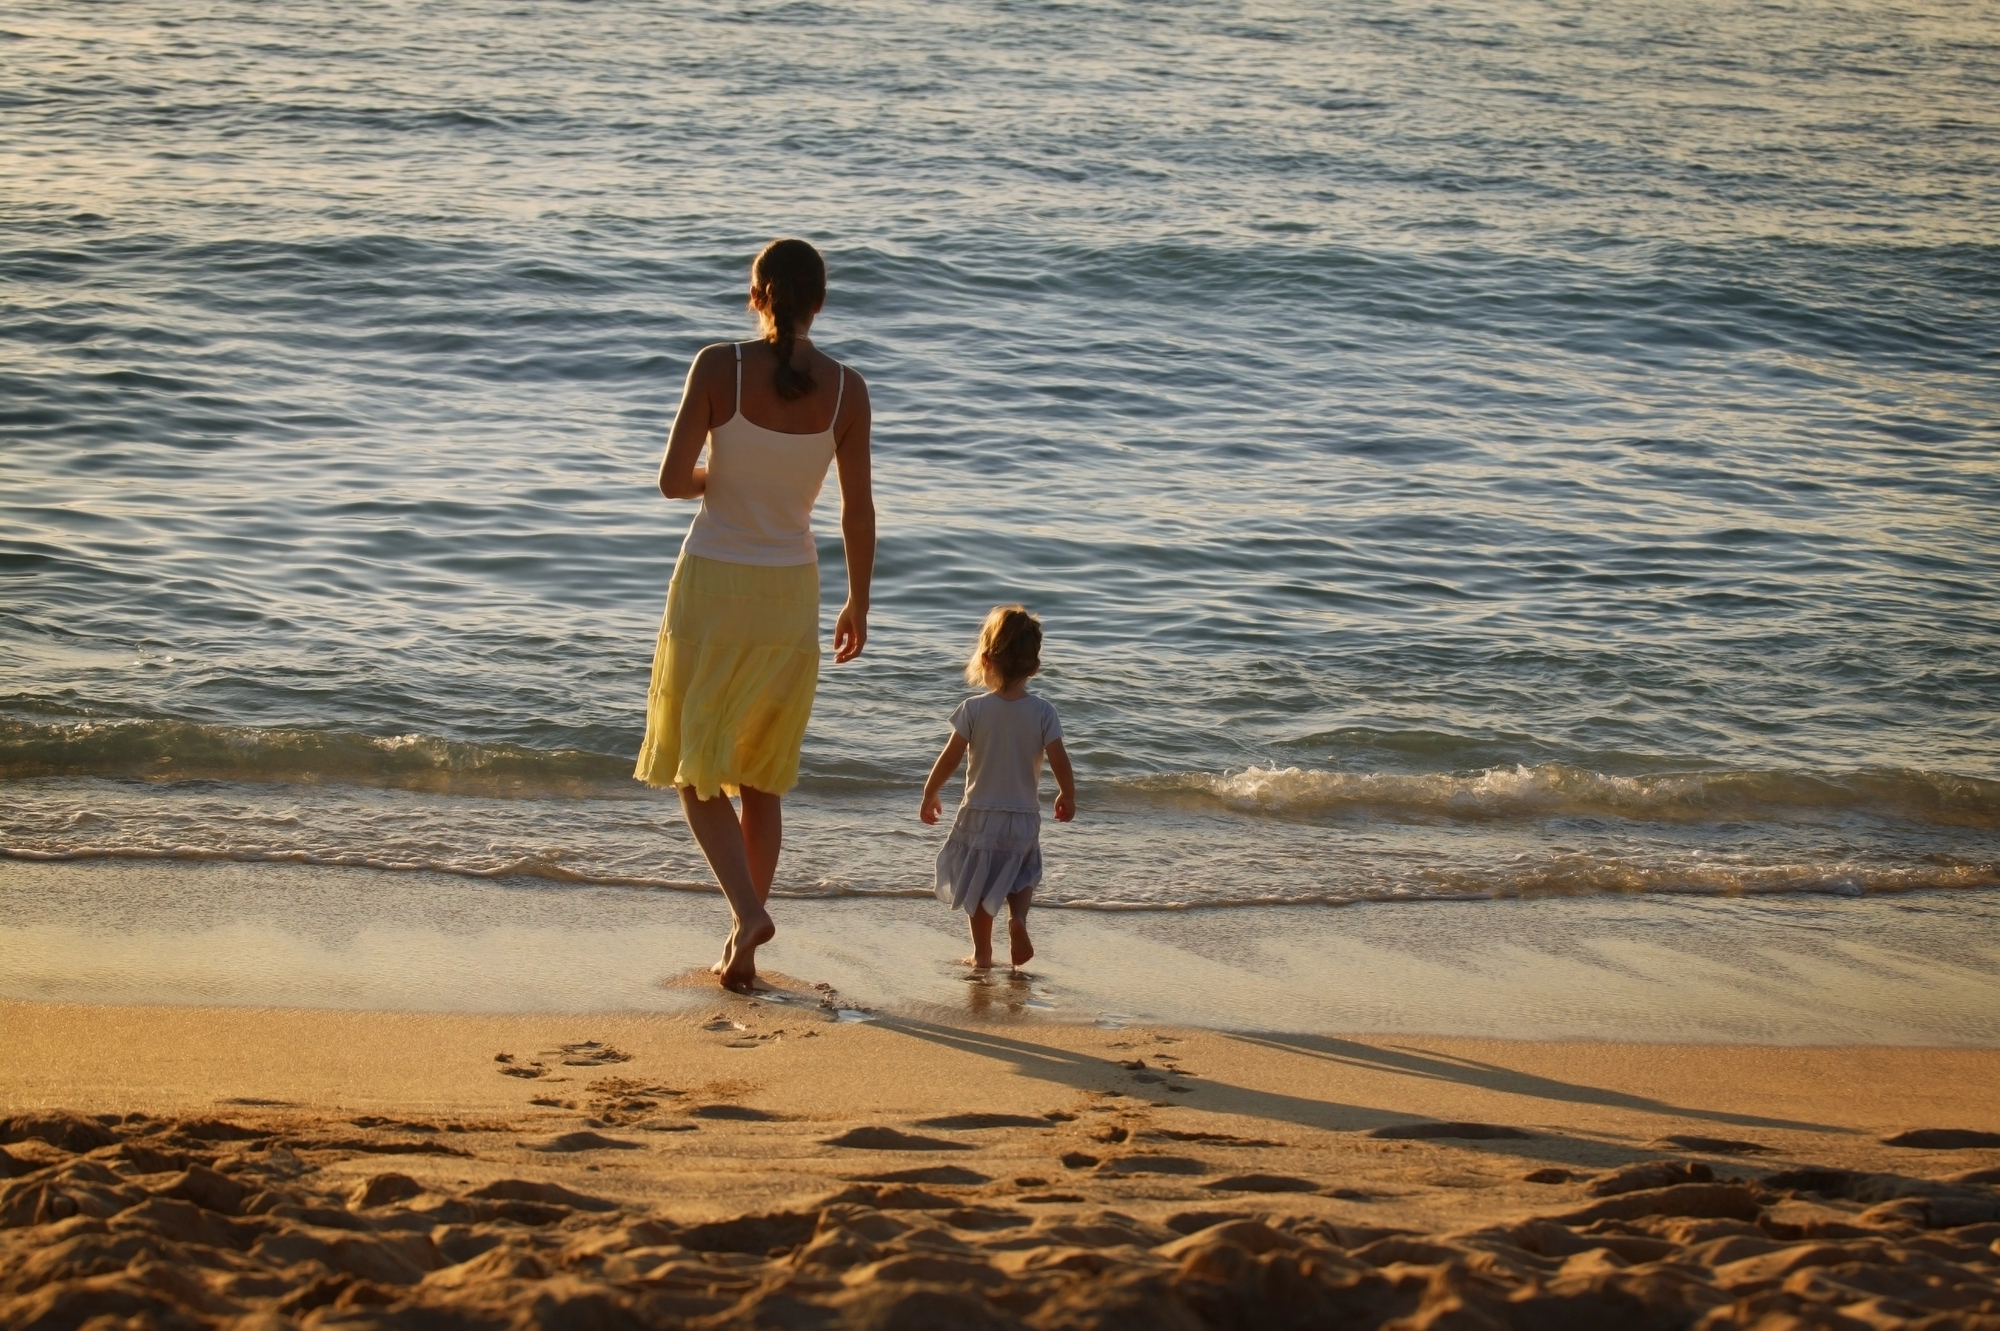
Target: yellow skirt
(733, 677)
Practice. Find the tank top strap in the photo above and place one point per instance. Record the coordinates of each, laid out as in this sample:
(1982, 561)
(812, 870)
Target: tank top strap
(739, 378)
(839, 388)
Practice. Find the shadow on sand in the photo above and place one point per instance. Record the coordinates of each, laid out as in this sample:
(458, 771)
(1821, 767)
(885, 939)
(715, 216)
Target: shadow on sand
(1091, 1073)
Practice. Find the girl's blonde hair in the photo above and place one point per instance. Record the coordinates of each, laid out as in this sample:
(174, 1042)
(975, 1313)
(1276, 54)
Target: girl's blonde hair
(1009, 648)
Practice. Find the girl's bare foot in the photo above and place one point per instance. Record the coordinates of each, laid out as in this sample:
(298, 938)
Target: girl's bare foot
(977, 963)
(741, 972)
(1017, 934)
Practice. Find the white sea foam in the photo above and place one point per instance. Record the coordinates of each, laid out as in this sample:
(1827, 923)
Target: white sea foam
(1556, 790)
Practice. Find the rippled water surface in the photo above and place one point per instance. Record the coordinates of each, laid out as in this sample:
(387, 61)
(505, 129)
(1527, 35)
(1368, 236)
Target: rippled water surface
(1457, 449)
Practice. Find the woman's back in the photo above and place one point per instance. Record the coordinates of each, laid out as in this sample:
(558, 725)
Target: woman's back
(767, 462)
(811, 413)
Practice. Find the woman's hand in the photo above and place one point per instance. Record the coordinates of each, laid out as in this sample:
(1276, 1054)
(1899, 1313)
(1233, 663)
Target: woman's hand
(932, 807)
(857, 521)
(850, 632)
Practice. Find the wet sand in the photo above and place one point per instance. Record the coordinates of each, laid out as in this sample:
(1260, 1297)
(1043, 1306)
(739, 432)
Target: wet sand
(1914, 969)
(762, 1163)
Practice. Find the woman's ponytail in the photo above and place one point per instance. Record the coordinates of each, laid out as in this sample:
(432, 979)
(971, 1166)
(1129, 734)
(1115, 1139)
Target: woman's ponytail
(787, 284)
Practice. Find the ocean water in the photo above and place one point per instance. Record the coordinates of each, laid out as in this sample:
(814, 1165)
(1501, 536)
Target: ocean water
(1458, 450)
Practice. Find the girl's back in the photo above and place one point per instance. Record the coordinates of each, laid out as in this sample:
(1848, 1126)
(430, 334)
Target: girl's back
(1007, 737)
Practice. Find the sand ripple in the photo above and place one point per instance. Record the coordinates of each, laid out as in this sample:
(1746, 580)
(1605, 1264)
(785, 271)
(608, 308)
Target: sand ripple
(207, 1223)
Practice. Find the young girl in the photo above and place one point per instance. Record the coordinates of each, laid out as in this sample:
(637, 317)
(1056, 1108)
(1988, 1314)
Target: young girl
(994, 852)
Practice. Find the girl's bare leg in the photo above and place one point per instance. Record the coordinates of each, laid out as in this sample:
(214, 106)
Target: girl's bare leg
(982, 941)
(720, 836)
(1017, 926)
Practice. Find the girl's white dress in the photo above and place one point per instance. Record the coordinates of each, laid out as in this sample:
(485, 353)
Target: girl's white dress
(995, 846)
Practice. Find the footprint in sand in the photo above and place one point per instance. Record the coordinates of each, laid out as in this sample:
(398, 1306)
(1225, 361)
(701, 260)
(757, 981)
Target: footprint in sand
(624, 1101)
(586, 1054)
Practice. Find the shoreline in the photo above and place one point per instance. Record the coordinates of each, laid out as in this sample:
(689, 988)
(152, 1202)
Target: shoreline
(1922, 969)
(369, 1168)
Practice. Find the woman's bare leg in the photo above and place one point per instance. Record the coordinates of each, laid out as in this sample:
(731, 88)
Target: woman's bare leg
(763, 825)
(763, 837)
(720, 836)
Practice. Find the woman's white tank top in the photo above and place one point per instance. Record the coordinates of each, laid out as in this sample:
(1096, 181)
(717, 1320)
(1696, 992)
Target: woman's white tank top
(757, 505)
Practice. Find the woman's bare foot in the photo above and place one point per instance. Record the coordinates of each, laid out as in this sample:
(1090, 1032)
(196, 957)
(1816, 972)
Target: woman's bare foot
(740, 974)
(977, 963)
(1017, 935)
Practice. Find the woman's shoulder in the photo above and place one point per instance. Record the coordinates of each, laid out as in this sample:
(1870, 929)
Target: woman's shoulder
(853, 388)
(716, 358)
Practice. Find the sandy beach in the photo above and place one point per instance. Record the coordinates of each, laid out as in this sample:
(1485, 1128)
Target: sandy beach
(781, 1163)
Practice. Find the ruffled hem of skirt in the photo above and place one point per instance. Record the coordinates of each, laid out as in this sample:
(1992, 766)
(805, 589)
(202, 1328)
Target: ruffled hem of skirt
(990, 855)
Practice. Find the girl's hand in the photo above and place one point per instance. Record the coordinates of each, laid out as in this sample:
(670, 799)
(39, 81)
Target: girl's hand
(1065, 776)
(850, 633)
(941, 770)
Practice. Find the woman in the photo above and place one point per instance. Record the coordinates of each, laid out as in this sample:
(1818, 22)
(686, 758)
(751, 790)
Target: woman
(738, 653)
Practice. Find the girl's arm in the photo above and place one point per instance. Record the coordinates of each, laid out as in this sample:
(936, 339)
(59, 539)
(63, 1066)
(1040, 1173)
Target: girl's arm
(680, 478)
(857, 525)
(941, 771)
(1065, 781)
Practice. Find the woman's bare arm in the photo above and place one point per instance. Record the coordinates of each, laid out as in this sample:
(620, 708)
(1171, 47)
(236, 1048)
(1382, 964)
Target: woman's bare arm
(680, 478)
(857, 523)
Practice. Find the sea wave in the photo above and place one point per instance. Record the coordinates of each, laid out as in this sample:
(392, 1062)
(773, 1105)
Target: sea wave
(1571, 875)
(1559, 790)
(166, 749)
(160, 749)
